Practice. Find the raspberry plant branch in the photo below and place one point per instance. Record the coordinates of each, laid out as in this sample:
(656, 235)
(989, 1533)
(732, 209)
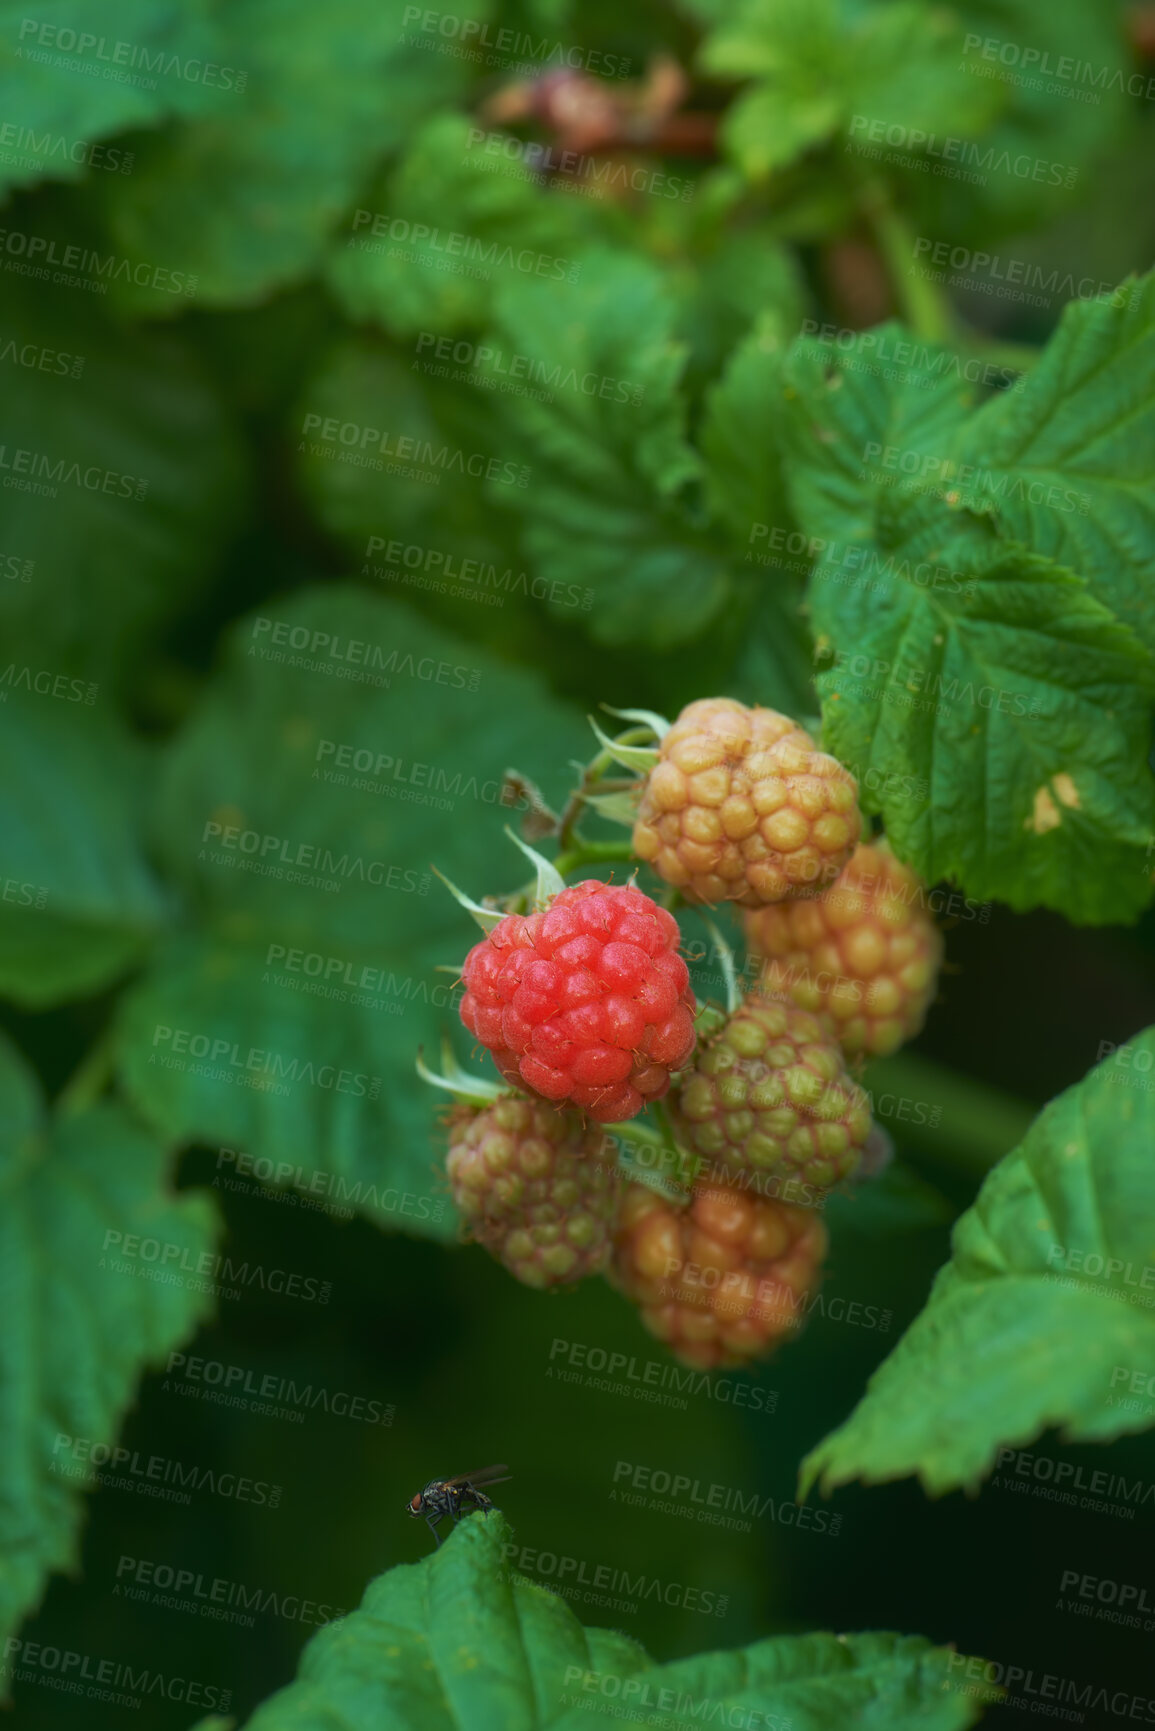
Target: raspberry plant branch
(924, 307)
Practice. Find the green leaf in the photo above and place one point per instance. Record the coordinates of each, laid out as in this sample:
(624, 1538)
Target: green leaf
(54, 81)
(1045, 1298)
(980, 670)
(130, 476)
(461, 1641)
(611, 464)
(79, 902)
(247, 203)
(445, 230)
(346, 748)
(823, 67)
(739, 438)
(1067, 459)
(81, 1323)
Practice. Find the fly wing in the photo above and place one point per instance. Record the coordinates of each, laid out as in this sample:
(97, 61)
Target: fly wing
(483, 1476)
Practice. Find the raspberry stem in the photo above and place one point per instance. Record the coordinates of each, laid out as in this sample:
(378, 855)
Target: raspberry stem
(583, 853)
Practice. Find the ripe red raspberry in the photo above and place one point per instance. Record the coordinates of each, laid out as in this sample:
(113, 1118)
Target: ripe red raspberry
(721, 1281)
(742, 807)
(534, 1185)
(866, 953)
(770, 1093)
(588, 1003)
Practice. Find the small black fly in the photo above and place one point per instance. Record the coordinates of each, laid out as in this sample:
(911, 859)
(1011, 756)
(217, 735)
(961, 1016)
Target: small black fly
(443, 1497)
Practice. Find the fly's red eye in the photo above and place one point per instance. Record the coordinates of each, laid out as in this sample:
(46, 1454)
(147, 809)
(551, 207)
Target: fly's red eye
(415, 1502)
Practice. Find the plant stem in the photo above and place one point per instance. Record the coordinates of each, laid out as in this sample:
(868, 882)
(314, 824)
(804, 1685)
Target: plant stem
(925, 308)
(589, 853)
(977, 1126)
(89, 1080)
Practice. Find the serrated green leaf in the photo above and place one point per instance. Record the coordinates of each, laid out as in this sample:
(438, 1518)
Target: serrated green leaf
(461, 1643)
(739, 438)
(609, 453)
(1067, 460)
(248, 203)
(79, 1329)
(58, 97)
(347, 747)
(446, 231)
(962, 663)
(80, 902)
(126, 476)
(1046, 1295)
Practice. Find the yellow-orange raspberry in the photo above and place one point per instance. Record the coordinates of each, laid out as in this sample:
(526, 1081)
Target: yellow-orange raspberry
(770, 1093)
(723, 1280)
(865, 954)
(743, 807)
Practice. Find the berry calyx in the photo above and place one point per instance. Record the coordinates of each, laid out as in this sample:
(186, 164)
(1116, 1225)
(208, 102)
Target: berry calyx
(743, 807)
(536, 1187)
(866, 953)
(721, 1281)
(587, 1003)
(770, 1093)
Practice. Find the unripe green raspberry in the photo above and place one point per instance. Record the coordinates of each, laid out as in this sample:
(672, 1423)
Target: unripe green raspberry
(742, 807)
(537, 1188)
(770, 1093)
(722, 1280)
(866, 953)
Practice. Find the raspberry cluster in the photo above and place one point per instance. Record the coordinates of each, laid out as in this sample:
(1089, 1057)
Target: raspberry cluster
(536, 1187)
(587, 1004)
(742, 807)
(586, 1008)
(865, 954)
(723, 1280)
